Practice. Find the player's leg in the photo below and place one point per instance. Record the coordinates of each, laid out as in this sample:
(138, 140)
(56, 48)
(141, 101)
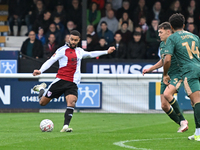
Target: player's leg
(166, 107)
(41, 89)
(195, 98)
(195, 119)
(44, 101)
(54, 90)
(192, 88)
(168, 94)
(71, 98)
(170, 90)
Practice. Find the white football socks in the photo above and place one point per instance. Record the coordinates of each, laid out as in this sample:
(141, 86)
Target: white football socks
(197, 131)
(65, 126)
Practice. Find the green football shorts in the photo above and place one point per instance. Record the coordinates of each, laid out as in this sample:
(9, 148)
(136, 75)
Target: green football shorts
(177, 82)
(191, 85)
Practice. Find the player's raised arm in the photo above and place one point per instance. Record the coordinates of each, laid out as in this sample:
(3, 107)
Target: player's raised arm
(36, 72)
(98, 53)
(111, 49)
(156, 66)
(49, 62)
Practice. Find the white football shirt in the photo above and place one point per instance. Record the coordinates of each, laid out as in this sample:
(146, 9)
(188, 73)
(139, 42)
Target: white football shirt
(70, 62)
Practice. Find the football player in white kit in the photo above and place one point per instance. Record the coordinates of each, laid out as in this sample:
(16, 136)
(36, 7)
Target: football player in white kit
(68, 76)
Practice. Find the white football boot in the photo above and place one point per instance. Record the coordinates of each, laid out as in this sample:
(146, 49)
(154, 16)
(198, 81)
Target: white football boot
(66, 129)
(183, 126)
(39, 87)
(191, 137)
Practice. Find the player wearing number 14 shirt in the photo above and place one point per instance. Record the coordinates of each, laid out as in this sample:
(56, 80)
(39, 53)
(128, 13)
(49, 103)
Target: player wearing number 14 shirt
(184, 46)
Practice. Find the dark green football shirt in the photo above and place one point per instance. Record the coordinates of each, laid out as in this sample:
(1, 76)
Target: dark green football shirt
(174, 68)
(184, 46)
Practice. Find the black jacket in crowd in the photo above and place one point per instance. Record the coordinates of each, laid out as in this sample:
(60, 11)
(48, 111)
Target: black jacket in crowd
(37, 48)
(120, 50)
(136, 50)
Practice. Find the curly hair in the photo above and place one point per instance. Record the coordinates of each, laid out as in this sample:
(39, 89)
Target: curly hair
(177, 21)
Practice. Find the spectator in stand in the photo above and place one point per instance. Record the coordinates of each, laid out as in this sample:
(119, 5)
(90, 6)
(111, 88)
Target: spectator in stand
(111, 21)
(40, 36)
(140, 11)
(101, 3)
(75, 14)
(152, 40)
(125, 33)
(32, 47)
(190, 19)
(59, 11)
(59, 26)
(70, 26)
(50, 47)
(53, 30)
(65, 41)
(192, 11)
(17, 11)
(125, 8)
(143, 24)
(43, 22)
(91, 31)
(191, 28)
(166, 4)
(105, 33)
(31, 5)
(50, 4)
(136, 47)
(90, 44)
(102, 45)
(174, 8)
(125, 17)
(93, 15)
(120, 47)
(116, 4)
(139, 29)
(104, 12)
(36, 12)
(156, 13)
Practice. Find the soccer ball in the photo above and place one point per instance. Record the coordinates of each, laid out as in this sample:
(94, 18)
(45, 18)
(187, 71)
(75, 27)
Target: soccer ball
(46, 125)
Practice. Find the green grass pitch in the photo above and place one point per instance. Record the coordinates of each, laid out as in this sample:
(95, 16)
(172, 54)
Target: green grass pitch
(95, 131)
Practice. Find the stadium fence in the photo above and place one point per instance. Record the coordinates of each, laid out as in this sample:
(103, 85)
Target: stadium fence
(121, 93)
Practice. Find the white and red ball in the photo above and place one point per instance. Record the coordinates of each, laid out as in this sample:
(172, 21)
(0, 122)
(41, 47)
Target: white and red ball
(46, 125)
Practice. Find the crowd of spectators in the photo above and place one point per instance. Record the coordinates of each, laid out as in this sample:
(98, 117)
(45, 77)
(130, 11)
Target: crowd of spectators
(129, 25)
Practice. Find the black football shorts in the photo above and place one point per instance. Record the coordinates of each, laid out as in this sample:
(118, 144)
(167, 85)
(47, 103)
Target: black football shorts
(59, 86)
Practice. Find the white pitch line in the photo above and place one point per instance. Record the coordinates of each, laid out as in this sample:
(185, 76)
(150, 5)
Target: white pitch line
(122, 143)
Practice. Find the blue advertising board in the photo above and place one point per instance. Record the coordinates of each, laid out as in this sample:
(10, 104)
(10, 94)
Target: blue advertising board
(19, 94)
(8, 66)
(8, 61)
(118, 67)
(89, 95)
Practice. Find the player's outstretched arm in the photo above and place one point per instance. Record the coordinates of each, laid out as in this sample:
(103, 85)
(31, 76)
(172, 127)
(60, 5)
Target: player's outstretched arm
(36, 72)
(156, 66)
(98, 53)
(46, 65)
(111, 49)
